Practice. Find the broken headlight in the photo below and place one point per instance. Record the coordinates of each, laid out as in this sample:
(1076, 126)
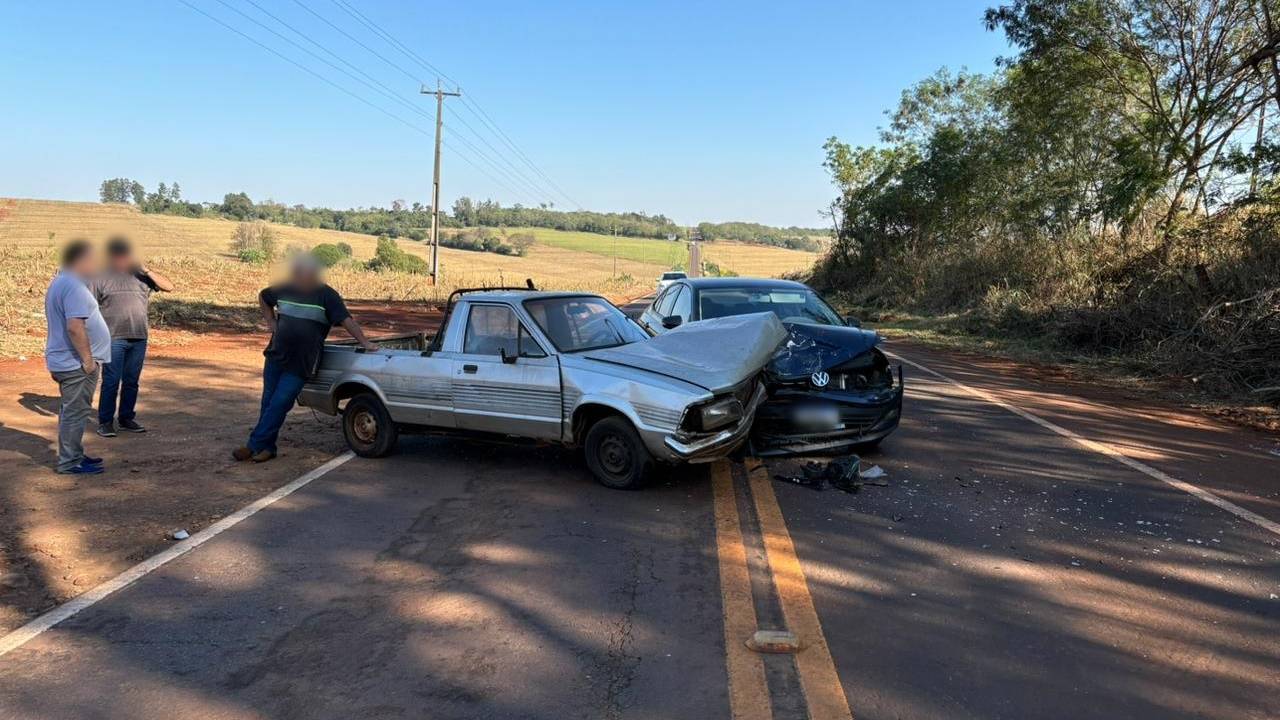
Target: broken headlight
(715, 414)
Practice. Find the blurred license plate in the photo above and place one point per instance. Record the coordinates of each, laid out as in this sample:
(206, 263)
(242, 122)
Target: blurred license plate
(817, 417)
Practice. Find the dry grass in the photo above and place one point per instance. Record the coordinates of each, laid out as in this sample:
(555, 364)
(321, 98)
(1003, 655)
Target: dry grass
(743, 259)
(195, 254)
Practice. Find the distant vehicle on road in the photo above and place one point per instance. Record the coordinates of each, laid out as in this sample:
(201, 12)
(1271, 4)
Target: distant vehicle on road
(830, 388)
(568, 368)
(670, 277)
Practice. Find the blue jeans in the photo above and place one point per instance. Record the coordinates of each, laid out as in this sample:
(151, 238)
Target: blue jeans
(280, 390)
(121, 376)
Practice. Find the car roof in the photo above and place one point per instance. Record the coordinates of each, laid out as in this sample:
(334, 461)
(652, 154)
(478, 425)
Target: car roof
(744, 282)
(522, 295)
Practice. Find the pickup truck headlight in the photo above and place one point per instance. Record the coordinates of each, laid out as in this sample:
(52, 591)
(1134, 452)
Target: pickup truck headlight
(717, 414)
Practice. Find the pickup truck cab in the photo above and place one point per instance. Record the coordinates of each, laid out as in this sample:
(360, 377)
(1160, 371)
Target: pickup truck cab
(554, 367)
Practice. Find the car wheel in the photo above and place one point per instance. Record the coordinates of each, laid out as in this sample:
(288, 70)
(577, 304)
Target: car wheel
(616, 456)
(368, 427)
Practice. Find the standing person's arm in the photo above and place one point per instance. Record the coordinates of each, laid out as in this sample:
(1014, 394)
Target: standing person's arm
(353, 327)
(158, 281)
(338, 314)
(267, 300)
(79, 335)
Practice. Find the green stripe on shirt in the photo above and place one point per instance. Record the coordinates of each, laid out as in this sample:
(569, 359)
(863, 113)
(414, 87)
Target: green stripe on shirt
(303, 311)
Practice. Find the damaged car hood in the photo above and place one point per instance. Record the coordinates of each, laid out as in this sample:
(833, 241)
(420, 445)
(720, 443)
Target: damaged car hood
(713, 354)
(810, 348)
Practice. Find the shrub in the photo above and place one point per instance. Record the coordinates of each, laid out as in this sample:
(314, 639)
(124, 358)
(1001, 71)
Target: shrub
(344, 248)
(390, 257)
(254, 240)
(252, 256)
(521, 242)
(329, 254)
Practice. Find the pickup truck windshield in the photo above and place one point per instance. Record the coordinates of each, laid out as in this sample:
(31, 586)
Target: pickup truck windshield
(794, 306)
(575, 324)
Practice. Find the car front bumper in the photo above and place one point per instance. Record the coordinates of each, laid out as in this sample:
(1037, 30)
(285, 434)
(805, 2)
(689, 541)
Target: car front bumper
(713, 446)
(797, 421)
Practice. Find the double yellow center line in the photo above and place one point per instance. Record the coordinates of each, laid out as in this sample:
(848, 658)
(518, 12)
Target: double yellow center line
(748, 691)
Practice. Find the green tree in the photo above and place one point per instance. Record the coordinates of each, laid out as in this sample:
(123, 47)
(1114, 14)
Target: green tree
(116, 190)
(237, 205)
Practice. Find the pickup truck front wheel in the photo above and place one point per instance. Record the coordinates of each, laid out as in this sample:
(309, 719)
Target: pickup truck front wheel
(616, 456)
(368, 427)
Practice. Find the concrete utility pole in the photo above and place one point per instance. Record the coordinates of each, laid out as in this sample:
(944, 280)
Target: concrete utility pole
(435, 184)
(695, 253)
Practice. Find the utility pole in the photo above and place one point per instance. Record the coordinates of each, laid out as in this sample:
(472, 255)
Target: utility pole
(435, 184)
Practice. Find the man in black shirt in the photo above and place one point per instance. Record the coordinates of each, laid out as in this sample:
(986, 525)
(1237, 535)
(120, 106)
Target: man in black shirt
(299, 313)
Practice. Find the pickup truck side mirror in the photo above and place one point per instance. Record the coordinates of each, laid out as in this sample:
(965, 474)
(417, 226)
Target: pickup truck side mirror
(672, 321)
(507, 359)
(852, 321)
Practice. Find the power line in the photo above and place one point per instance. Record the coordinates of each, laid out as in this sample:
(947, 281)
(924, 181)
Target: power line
(371, 83)
(345, 91)
(511, 170)
(357, 41)
(377, 30)
(467, 102)
(306, 69)
(516, 170)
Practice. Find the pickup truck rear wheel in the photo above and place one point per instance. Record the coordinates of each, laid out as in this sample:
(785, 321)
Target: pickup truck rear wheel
(616, 455)
(368, 427)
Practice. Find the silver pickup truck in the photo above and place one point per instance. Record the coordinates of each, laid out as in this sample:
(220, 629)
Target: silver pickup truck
(567, 368)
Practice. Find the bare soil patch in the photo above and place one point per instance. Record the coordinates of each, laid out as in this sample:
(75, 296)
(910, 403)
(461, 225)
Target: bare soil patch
(60, 536)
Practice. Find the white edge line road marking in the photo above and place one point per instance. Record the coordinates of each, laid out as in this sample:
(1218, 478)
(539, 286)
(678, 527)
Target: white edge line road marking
(28, 632)
(1107, 450)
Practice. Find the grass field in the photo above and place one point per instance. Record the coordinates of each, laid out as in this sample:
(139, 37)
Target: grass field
(211, 282)
(756, 260)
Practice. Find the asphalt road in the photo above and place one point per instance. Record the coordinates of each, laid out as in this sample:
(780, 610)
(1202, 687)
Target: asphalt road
(1005, 571)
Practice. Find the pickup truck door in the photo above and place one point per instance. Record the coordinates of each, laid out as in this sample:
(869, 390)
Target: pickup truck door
(417, 388)
(520, 396)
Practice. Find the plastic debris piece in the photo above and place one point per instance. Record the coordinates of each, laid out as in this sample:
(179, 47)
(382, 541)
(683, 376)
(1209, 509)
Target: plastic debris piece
(179, 534)
(874, 475)
(875, 471)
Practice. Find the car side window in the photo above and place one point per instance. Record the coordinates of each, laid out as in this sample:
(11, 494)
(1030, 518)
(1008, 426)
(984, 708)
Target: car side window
(491, 329)
(663, 306)
(683, 304)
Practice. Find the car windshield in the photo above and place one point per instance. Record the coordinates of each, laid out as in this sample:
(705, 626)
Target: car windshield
(580, 323)
(795, 306)
(673, 276)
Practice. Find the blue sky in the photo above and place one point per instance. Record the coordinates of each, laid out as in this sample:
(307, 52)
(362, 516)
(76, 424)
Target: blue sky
(699, 110)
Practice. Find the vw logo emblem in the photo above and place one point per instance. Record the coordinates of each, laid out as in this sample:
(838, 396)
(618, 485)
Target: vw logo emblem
(820, 379)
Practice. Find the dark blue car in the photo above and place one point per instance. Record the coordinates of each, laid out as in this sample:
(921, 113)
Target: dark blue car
(831, 389)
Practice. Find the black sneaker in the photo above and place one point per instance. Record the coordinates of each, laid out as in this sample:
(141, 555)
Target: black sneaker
(107, 429)
(131, 426)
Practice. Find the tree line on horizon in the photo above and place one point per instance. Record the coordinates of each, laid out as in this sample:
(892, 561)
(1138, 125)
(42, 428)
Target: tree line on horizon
(413, 220)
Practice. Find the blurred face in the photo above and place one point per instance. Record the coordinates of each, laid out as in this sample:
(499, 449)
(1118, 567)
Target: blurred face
(121, 262)
(304, 274)
(86, 265)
